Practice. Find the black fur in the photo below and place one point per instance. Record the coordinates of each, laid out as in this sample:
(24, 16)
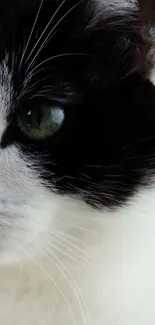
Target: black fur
(107, 143)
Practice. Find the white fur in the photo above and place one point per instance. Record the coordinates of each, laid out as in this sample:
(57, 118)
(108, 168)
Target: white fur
(117, 286)
(22, 211)
(6, 91)
(110, 8)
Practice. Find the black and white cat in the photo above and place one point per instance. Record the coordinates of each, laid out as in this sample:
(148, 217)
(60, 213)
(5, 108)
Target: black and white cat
(77, 162)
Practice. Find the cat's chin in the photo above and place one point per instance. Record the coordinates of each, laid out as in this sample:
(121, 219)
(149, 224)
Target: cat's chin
(17, 254)
(10, 257)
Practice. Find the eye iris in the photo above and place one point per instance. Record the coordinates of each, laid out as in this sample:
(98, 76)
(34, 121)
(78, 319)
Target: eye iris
(41, 123)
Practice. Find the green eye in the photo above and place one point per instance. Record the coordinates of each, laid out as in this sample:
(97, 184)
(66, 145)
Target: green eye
(42, 122)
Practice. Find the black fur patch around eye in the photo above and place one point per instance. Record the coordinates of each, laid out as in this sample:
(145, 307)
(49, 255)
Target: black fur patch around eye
(107, 143)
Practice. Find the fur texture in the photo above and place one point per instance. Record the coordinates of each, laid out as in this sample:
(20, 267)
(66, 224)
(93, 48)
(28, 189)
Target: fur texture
(77, 208)
(112, 8)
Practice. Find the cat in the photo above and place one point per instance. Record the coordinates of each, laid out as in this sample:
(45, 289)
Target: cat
(77, 162)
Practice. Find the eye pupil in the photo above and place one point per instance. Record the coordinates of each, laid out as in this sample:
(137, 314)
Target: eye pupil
(39, 116)
(41, 122)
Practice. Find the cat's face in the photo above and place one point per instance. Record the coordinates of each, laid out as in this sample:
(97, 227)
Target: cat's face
(73, 118)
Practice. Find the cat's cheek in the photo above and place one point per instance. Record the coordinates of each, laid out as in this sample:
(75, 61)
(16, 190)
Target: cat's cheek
(27, 207)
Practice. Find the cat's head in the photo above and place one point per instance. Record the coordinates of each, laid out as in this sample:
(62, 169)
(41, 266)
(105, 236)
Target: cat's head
(77, 117)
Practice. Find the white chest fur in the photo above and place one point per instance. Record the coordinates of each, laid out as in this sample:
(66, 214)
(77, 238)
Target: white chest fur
(98, 270)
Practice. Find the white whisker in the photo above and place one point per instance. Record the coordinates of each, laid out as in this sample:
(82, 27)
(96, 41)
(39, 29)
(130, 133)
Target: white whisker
(75, 239)
(21, 248)
(62, 235)
(72, 282)
(48, 38)
(48, 24)
(60, 250)
(52, 58)
(30, 36)
(80, 228)
(31, 75)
